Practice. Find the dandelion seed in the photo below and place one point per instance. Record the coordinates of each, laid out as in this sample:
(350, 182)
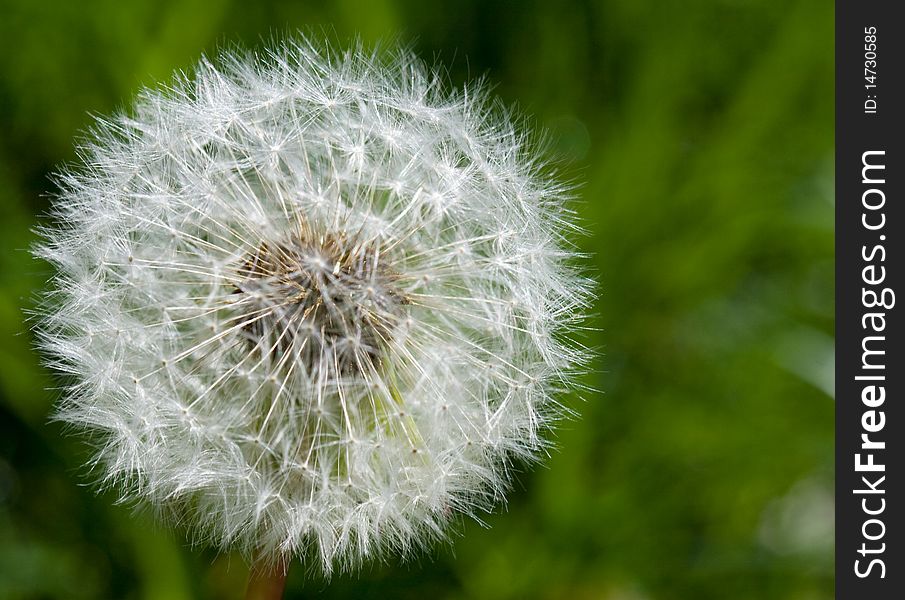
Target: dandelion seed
(311, 303)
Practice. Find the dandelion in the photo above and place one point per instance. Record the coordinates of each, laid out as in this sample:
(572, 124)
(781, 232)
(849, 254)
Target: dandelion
(311, 304)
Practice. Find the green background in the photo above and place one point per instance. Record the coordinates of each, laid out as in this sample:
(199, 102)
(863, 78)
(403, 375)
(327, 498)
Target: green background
(701, 133)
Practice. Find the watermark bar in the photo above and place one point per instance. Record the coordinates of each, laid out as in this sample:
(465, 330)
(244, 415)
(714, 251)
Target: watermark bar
(870, 270)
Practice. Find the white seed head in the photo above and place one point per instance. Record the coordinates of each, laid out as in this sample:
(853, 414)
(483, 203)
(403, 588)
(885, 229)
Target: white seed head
(311, 303)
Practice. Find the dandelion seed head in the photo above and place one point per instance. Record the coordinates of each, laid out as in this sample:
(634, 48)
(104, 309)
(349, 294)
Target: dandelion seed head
(312, 303)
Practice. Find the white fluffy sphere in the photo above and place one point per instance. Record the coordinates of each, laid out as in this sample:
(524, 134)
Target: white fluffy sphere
(311, 302)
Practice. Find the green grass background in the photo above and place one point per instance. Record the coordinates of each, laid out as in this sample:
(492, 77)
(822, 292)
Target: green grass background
(702, 134)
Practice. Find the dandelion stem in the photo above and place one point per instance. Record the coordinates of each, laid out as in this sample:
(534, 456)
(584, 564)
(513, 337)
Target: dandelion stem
(266, 582)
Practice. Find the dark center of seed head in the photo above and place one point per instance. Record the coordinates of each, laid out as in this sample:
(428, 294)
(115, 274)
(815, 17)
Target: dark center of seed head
(329, 301)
